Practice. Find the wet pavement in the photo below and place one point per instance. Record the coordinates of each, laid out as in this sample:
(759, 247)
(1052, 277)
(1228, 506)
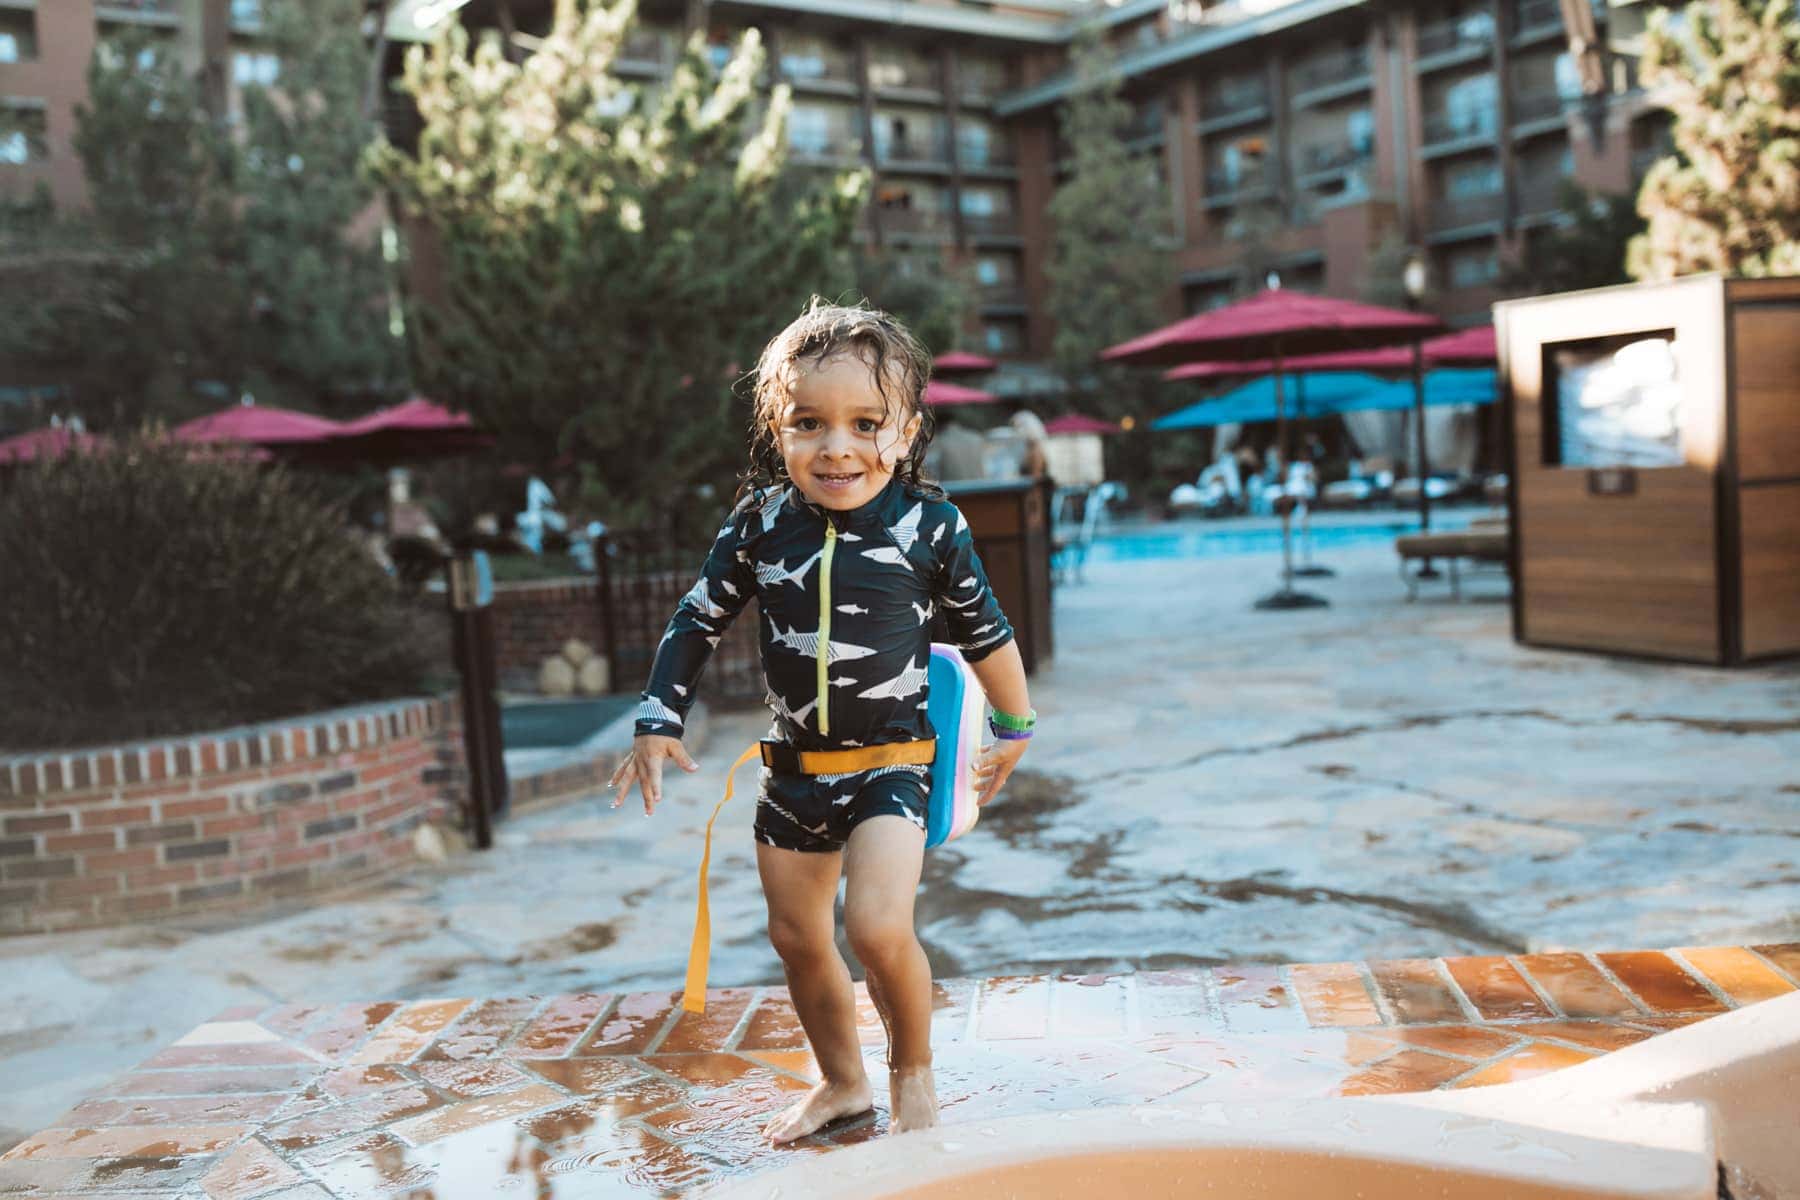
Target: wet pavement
(595, 1095)
(1211, 784)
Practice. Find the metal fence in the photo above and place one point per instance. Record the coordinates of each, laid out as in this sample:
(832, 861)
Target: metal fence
(642, 576)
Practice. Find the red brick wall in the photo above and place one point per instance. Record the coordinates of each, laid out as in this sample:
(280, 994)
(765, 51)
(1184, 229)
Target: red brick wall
(533, 620)
(97, 837)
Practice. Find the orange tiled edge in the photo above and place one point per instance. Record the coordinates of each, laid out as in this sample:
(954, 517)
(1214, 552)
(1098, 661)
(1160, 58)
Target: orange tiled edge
(361, 1099)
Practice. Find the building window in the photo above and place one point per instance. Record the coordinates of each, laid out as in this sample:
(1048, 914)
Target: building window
(250, 68)
(810, 58)
(1471, 266)
(18, 37)
(1002, 337)
(1480, 177)
(24, 135)
(902, 67)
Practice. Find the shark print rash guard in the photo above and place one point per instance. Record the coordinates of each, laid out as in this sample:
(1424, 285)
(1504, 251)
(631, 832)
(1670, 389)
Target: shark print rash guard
(845, 601)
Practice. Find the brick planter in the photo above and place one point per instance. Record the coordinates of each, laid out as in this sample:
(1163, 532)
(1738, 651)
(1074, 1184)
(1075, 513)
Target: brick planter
(102, 836)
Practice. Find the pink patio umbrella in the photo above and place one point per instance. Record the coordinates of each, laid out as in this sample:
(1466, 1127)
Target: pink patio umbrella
(961, 362)
(1465, 348)
(1277, 325)
(417, 429)
(53, 441)
(1078, 423)
(941, 393)
(255, 425)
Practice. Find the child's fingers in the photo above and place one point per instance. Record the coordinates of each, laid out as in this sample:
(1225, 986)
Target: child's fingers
(681, 756)
(651, 785)
(623, 777)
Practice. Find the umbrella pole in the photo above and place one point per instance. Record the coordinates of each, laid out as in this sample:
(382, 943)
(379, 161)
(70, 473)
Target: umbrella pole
(1426, 570)
(1307, 568)
(1287, 597)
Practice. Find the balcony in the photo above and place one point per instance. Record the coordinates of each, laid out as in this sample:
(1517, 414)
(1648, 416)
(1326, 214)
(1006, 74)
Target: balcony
(980, 83)
(1532, 19)
(982, 153)
(646, 51)
(834, 69)
(991, 225)
(1225, 187)
(1645, 157)
(931, 150)
(1333, 157)
(1147, 122)
(1538, 108)
(1002, 295)
(247, 13)
(1454, 39)
(147, 12)
(1460, 212)
(834, 145)
(1463, 125)
(1237, 103)
(1339, 69)
(906, 77)
(915, 222)
(1540, 195)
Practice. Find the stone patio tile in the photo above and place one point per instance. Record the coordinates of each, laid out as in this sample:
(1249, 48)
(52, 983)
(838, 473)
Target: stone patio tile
(712, 1029)
(482, 1029)
(290, 1020)
(1013, 1006)
(950, 1005)
(480, 1077)
(346, 1026)
(632, 1026)
(585, 1157)
(43, 1177)
(709, 1113)
(1737, 972)
(149, 1141)
(286, 1080)
(1496, 989)
(483, 1110)
(1600, 1035)
(712, 1070)
(1538, 1058)
(1407, 1071)
(1661, 983)
(556, 1030)
(1088, 1006)
(773, 1024)
(1264, 1066)
(249, 1170)
(173, 1110)
(1662, 1024)
(355, 1116)
(1577, 986)
(799, 1063)
(409, 1031)
(1334, 994)
(305, 1191)
(1470, 1041)
(586, 1076)
(634, 1097)
(1414, 991)
(344, 1083)
(229, 1054)
(1175, 1001)
(1255, 1000)
(1785, 955)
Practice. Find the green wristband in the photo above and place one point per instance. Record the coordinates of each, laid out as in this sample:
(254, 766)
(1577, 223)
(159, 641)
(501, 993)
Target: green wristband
(1022, 724)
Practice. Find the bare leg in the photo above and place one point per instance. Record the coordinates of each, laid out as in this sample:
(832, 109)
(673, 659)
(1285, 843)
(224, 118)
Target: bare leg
(801, 890)
(882, 863)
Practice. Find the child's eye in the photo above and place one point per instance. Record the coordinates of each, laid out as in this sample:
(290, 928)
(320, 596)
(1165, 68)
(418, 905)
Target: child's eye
(867, 425)
(808, 424)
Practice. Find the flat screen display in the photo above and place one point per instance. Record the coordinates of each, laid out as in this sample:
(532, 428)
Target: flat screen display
(1613, 402)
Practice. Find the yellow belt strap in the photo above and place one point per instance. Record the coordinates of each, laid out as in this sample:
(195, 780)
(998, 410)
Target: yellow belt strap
(693, 998)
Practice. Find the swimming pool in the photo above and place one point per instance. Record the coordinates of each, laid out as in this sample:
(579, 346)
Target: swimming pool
(1219, 539)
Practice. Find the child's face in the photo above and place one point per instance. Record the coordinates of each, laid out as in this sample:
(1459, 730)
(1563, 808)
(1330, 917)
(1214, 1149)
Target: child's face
(838, 439)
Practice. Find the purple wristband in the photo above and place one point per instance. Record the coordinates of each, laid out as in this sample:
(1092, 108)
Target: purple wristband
(1010, 735)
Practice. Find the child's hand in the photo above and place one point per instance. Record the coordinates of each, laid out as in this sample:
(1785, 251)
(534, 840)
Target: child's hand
(644, 767)
(995, 764)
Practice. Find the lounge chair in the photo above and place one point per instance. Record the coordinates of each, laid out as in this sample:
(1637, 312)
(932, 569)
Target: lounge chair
(1488, 541)
(1075, 517)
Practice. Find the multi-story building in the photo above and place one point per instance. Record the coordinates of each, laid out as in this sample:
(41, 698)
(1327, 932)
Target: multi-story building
(1449, 124)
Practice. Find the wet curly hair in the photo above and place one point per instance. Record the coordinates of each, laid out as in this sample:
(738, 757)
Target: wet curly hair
(900, 365)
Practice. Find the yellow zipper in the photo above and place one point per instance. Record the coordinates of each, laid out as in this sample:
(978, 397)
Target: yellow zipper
(825, 627)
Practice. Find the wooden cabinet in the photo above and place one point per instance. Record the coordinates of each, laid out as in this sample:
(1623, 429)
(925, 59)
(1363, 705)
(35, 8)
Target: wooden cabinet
(1010, 520)
(1683, 546)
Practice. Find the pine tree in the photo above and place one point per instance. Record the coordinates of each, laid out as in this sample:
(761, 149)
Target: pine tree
(605, 262)
(313, 266)
(1110, 245)
(136, 309)
(1730, 200)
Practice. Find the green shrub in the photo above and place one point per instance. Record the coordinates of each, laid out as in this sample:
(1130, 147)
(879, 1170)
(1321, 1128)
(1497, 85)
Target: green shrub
(151, 594)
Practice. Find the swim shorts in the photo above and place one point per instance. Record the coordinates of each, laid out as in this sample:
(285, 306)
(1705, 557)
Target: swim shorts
(815, 813)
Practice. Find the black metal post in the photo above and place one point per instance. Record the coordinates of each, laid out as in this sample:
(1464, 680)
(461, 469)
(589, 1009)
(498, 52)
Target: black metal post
(1426, 570)
(1287, 597)
(473, 647)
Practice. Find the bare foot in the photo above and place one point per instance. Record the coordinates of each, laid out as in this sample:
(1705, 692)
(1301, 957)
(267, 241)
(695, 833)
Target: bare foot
(825, 1103)
(912, 1100)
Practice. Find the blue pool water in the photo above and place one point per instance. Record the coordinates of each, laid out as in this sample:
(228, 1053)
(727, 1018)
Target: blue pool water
(1218, 539)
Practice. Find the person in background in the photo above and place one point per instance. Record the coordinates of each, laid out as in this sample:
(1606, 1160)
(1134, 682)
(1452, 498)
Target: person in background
(956, 450)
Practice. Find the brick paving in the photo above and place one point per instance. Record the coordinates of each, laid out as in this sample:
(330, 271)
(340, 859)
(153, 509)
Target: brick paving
(599, 1095)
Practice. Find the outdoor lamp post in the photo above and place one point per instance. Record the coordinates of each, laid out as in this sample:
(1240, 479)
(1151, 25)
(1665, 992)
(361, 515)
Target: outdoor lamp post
(1413, 279)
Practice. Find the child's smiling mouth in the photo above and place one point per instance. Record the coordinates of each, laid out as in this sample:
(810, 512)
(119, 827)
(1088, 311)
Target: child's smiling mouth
(837, 480)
